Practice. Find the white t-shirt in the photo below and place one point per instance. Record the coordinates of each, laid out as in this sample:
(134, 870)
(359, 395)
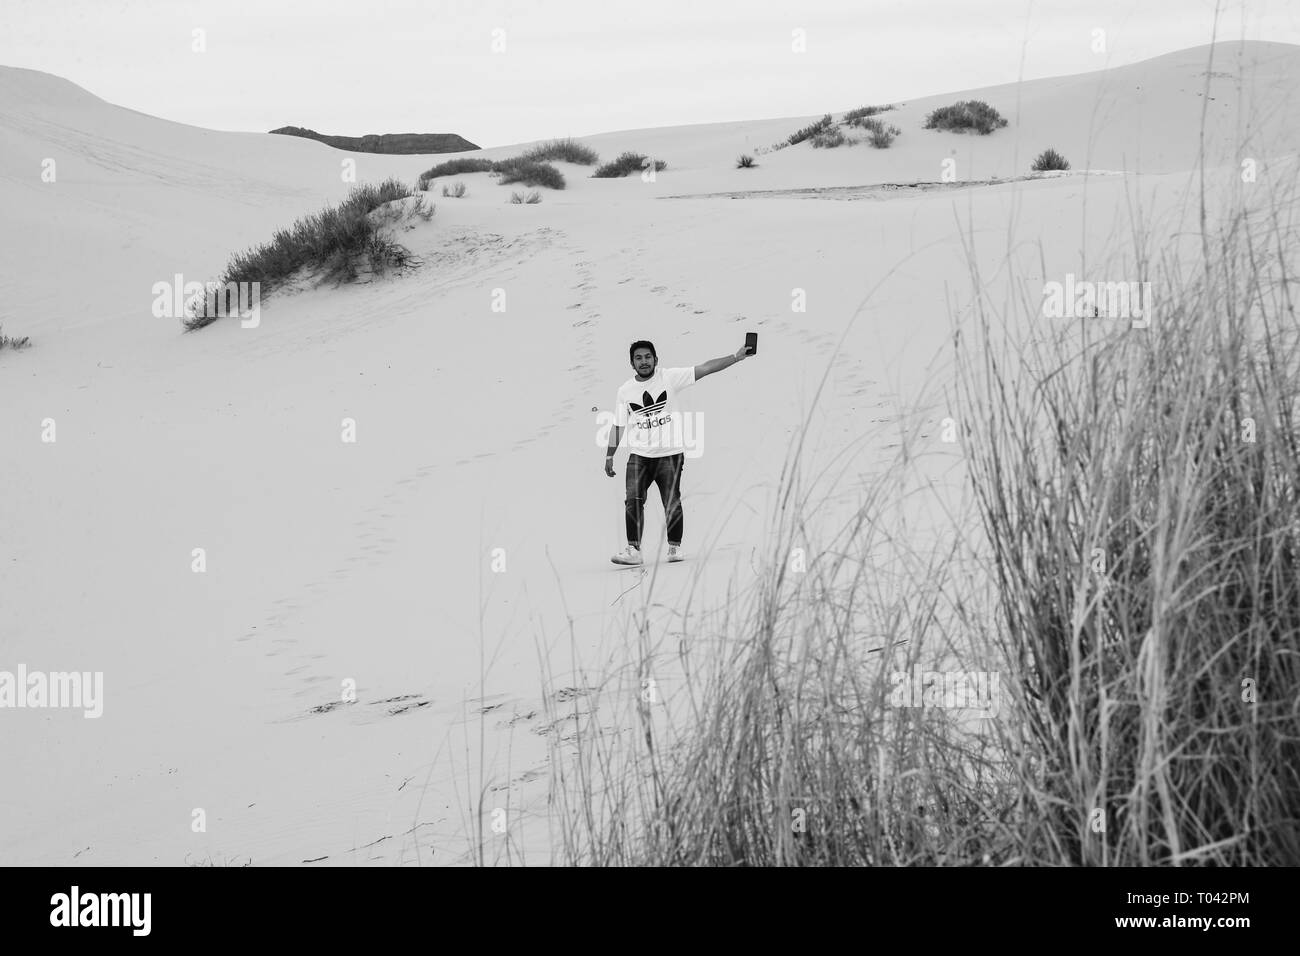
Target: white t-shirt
(648, 411)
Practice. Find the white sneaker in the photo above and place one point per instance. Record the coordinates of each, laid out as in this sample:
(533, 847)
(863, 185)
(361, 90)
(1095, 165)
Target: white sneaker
(675, 553)
(629, 555)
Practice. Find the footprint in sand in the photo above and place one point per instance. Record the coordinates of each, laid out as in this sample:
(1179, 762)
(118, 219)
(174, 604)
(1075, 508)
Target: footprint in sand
(373, 710)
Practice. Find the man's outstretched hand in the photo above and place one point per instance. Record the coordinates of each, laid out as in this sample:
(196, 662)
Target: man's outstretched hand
(742, 354)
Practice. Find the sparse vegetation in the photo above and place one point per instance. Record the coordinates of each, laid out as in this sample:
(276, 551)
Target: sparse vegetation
(626, 164)
(563, 150)
(855, 117)
(530, 173)
(879, 135)
(812, 129)
(454, 167)
(529, 198)
(9, 342)
(517, 169)
(966, 115)
(1050, 159)
(745, 161)
(331, 243)
(455, 190)
(829, 138)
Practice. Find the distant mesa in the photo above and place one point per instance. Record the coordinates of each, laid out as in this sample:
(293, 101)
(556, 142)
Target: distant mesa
(386, 142)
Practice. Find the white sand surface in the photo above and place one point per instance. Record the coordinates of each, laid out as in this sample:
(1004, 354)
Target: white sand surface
(372, 561)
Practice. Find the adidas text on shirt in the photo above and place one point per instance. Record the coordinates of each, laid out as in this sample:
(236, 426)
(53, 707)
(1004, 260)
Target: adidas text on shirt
(648, 413)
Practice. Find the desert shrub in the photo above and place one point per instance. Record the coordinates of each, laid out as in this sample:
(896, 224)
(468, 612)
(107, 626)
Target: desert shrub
(454, 167)
(883, 138)
(418, 210)
(880, 135)
(626, 164)
(1050, 159)
(455, 190)
(563, 150)
(745, 161)
(529, 172)
(829, 138)
(9, 342)
(329, 242)
(531, 198)
(966, 115)
(812, 129)
(855, 117)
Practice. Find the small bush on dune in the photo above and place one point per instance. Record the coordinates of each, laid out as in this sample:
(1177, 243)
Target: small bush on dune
(626, 164)
(745, 162)
(454, 167)
(532, 198)
(1049, 159)
(829, 138)
(966, 115)
(883, 138)
(812, 129)
(455, 191)
(329, 242)
(878, 134)
(563, 150)
(9, 342)
(526, 169)
(855, 117)
(530, 173)
(418, 210)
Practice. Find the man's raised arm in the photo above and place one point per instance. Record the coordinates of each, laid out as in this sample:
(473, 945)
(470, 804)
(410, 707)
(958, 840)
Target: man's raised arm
(718, 364)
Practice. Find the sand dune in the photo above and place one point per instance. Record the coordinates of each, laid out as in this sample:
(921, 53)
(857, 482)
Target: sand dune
(371, 561)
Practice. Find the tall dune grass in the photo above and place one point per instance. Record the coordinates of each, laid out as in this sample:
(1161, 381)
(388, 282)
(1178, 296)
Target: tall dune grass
(1142, 503)
(1131, 571)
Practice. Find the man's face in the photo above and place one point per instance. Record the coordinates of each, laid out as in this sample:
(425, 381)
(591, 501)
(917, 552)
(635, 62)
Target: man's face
(643, 360)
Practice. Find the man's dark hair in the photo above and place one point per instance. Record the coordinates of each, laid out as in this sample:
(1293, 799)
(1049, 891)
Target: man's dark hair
(643, 344)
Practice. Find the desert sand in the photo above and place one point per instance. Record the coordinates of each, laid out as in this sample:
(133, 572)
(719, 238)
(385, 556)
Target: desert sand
(453, 561)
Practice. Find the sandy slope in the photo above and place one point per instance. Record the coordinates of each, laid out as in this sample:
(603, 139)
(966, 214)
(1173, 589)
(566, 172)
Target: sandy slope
(371, 561)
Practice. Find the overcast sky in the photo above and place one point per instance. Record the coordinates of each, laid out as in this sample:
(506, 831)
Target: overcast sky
(573, 67)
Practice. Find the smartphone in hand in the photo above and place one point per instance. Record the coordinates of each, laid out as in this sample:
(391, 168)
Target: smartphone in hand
(751, 343)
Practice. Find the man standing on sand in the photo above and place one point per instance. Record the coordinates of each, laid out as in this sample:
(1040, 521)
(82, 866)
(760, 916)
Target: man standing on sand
(646, 404)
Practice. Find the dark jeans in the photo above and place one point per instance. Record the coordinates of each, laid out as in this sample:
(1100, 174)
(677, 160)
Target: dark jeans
(665, 472)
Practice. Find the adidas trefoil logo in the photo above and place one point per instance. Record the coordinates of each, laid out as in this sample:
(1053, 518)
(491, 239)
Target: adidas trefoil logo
(652, 406)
